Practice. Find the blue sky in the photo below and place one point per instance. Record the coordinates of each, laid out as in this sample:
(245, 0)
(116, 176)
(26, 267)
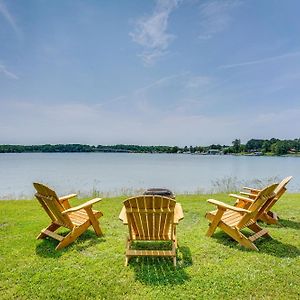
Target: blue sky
(173, 72)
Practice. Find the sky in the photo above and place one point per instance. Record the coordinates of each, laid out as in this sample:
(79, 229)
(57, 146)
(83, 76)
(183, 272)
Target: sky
(163, 72)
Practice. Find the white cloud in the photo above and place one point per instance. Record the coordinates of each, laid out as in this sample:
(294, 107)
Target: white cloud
(7, 73)
(95, 125)
(9, 18)
(151, 32)
(215, 17)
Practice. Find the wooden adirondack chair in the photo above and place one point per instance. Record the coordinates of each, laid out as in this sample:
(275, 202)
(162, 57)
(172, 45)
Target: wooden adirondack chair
(151, 218)
(77, 218)
(267, 216)
(233, 219)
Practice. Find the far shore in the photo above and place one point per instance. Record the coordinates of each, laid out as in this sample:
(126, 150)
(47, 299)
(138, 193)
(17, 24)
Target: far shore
(135, 152)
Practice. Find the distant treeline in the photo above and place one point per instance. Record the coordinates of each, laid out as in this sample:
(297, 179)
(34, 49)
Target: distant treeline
(253, 146)
(271, 147)
(86, 148)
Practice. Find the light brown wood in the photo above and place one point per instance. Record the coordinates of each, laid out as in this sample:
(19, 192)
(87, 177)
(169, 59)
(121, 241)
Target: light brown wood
(52, 234)
(239, 197)
(151, 218)
(232, 219)
(224, 205)
(77, 218)
(266, 215)
(251, 189)
(215, 222)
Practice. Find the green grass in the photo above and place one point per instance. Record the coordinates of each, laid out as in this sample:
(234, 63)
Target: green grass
(92, 267)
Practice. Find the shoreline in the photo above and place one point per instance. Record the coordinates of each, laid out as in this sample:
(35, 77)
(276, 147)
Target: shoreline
(85, 197)
(131, 152)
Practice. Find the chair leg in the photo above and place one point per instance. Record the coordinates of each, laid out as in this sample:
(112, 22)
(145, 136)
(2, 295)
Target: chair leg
(238, 236)
(127, 246)
(174, 246)
(68, 239)
(244, 241)
(174, 261)
(73, 235)
(214, 224)
(94, 221)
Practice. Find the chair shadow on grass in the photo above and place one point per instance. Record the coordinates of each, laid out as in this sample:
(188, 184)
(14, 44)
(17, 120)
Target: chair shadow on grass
(160, 270)
(46, 247)
(288, 223)
(269, 246)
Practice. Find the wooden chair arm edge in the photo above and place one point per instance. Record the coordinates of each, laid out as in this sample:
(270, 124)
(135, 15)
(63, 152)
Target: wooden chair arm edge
(122, 216)
(67, 197)
(227, 206)
(82, 206)
(239, 197)
(248, 194)
(251, 189)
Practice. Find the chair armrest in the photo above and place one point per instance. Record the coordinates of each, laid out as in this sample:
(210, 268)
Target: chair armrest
(251, 189)
(67, 197)
(178, 213)
(239, 197)
(122, 216)
(82, 206)
(227, 206)
(248, 194)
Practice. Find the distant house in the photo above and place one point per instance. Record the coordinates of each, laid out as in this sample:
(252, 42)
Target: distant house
(258, 153)
(214, 151)
(292, 151)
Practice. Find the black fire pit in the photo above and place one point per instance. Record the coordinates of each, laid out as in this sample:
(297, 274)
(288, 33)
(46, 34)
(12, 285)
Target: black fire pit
(160, 192)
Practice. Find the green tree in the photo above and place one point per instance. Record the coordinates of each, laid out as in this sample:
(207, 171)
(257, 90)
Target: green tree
(266, 146)
(236, 145)
(280, 148)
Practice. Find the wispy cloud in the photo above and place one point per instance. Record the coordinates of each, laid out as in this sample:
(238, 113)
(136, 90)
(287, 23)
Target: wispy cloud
(151, 32)
(159, 82)
(147, 99)
(215, 17)
(198, 81)
(141, 91)
(9, 18)
(261, 61)
(7, 73)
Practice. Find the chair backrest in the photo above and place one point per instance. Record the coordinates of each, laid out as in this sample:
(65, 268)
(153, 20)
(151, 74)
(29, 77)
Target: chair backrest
(281, 186)
(279, 191)
(258, 205)
(150, 217)
(50, 202)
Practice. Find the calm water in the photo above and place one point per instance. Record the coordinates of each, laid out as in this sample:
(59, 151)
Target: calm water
(116, 173)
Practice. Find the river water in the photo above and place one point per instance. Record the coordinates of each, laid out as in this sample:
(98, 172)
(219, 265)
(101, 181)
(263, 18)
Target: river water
(128, 173)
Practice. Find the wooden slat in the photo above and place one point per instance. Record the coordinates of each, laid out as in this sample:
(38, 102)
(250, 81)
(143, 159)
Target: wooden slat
(149, 252)
(258, 235)
(53, 234)
(166, 237)
(146, 210)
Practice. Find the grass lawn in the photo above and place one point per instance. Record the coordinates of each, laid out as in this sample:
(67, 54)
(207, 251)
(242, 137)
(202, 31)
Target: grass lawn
(92, 267)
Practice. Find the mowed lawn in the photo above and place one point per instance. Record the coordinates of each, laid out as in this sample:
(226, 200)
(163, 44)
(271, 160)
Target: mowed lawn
(93, 267)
